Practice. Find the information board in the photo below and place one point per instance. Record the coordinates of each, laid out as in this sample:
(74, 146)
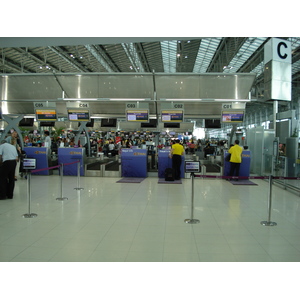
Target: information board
(79, 115)
(192, 167)
(137, 115)
(232, 116)
(172, 116)
(46, 114)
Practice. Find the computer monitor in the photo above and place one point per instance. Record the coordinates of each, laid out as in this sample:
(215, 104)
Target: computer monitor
(29, 163)
(46, 114)
(137, 115)
(192, 167)
(78, 115)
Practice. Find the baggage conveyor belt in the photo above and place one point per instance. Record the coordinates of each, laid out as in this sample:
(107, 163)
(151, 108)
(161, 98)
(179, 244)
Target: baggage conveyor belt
(103, 168)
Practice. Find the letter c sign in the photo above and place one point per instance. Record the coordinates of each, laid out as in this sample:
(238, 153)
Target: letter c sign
(279, 46)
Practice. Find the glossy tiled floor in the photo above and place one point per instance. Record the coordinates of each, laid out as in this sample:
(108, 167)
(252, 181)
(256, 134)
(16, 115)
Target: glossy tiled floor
(144, 222)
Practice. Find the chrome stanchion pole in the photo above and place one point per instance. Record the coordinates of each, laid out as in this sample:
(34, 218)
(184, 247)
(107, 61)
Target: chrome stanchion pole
(30, 214)
(269, 223)
(192, 220)
(61, 183)
(78, 177)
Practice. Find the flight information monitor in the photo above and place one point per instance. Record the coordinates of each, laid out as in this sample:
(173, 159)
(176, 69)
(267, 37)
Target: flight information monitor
(29, 163)
(79, 115)
(46, 114)
(192, 167)
(172, 116)
(137, 115)
(232, 116)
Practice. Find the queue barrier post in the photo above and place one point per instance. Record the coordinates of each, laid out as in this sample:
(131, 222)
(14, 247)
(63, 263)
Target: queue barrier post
(61, 183)
(29, 214)
(192, 220)
(78, 177)
(269, 222)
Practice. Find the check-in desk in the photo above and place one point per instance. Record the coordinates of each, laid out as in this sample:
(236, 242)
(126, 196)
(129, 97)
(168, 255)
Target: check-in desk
(134, 162)
(70, 155)
(42, 156)
(164, 162)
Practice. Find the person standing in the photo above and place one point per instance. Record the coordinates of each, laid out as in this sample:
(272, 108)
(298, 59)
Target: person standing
(235, 158)
(8, 162)
(47, 139)
(177, 151)
(14, 140)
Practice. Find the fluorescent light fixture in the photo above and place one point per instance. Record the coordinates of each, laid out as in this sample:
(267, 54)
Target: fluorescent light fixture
(183, 100)
(127, 99)
(80, 99)
(232, 100)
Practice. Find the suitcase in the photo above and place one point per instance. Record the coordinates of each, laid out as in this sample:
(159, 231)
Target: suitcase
(169, 174)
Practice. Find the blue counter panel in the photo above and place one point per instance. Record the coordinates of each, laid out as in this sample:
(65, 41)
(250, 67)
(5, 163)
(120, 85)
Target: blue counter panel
(134, 163)
(164, 162)
(41, 155)
(69, 155)
(245, 164)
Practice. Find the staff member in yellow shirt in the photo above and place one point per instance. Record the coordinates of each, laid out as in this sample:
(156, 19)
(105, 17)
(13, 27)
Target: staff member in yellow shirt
(235, 159)
(177, 151)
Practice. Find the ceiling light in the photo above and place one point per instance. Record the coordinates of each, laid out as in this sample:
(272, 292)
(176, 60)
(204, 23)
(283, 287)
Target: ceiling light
(127, 99)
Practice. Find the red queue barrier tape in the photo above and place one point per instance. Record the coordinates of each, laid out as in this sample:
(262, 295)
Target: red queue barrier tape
(75, 162)
(54, 167)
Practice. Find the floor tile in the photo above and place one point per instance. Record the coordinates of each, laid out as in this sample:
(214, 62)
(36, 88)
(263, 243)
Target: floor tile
(146, 224)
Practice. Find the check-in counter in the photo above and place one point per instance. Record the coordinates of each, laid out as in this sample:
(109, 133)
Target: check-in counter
(70, 155)
(42, 156)
(164, 162)
(134, 163)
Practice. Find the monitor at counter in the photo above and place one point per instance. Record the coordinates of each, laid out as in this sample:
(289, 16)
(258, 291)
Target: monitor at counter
(109, 122)
(137, 115)
(172, 116)
(46, 114)
(233, 116)
(78, 115)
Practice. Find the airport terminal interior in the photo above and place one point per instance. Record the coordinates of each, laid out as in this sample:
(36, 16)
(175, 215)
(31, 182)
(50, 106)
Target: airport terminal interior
(113, 107)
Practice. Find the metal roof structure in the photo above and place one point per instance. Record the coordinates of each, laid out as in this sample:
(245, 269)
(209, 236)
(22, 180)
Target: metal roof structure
(170, 55)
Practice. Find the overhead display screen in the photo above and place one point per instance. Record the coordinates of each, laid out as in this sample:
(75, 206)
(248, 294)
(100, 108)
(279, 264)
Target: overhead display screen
(46, 114)
(172, 116)
(79, 115)
(232, 116)
(137, 115)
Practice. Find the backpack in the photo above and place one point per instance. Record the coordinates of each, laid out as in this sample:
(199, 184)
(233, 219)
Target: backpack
(169, 174)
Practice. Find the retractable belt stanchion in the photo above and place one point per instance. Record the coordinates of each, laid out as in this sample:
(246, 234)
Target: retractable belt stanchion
(192, 220)
(269, 223)
(61, 183)
(78, 177)
(29, 214)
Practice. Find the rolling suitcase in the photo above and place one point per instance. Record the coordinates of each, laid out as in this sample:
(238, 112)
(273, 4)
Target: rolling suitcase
(169, 174)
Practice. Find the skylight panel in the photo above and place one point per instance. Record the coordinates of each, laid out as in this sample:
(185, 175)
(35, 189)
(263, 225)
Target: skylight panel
(169, 52)
(207, 49)
(248, 48)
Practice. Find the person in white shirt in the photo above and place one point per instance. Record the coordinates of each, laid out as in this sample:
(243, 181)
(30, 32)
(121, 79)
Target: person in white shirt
(8, 162)
(47, 139)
